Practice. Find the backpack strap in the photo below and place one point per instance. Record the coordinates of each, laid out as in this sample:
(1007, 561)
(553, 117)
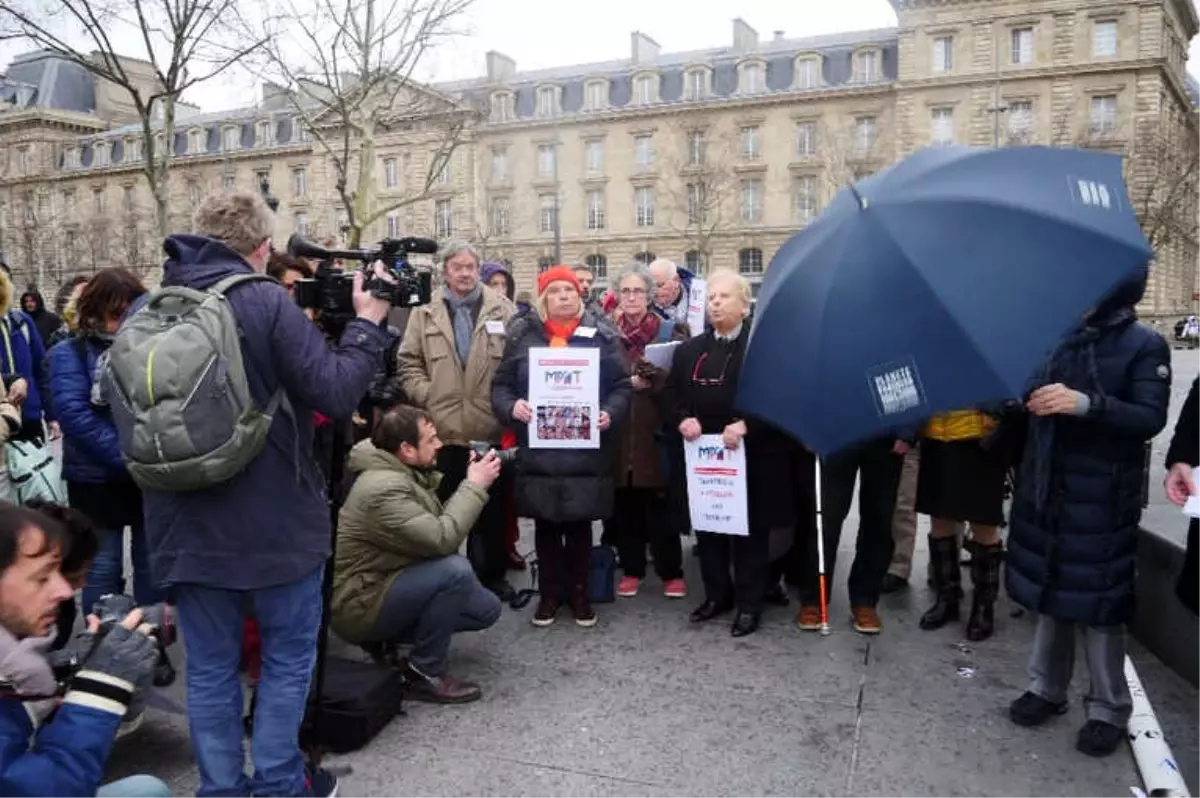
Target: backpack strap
(223, 286)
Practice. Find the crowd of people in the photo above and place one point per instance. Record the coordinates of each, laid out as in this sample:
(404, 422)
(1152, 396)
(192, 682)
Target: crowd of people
(442, 461)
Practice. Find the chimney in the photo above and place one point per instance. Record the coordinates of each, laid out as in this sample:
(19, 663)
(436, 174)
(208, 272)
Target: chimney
(778, 35)
(644, 49)
(745, 38)
(499, 67)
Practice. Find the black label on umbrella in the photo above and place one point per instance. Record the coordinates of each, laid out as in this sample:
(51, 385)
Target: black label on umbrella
(896, 387)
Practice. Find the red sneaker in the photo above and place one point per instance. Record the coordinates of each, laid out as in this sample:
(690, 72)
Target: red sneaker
(675, 588)
(628, 586)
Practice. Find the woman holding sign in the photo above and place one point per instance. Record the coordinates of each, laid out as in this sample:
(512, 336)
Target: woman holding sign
(698, 399)
(562, 385)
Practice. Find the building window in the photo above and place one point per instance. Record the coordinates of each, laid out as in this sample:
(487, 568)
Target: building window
(393, 224)
(71, 158)
(752, 197)
(594, 156)
(391, 174)
(866, 66)
(21, 156)
(1104, 115)
(546, 160)
(233, 138)
(595, 210)
(69, 204)
(303, 133)
(599, 266)
(643, 89)
(443, 219)
(943, 53)
(696, 84)
(547, 212)
(804, 198)
(228, 181)
(547, 101)
(643, 148)
(545, 262)
(72, 245)
(100, 153)
(750, 143)
(643, 203)
(807, 73)
(1022, 45)
(127, 198)
(1104, 39)
(98, 200)
(1020, 122)
(341, 218)
(133, 150)
(441, 175)
(697, 203)
(645, 258)
(300, 182)
(942, 125)
(750, 261)
(301, 225)
(197, 141)
(596, 95)
(499, 164)
(43, 205)
(751, 78)
(502, 107)
(194, 193)
(261, 176)
(263, 134)
(697, 148)
(865, 133)
(693, 261)
(806, 139)
(500, 216)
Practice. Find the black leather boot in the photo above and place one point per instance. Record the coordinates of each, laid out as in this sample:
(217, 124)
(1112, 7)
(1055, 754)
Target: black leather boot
(985, 575)
(947, 581)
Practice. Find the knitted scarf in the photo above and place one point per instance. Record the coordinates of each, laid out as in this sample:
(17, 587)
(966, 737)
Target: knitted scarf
(460, 317)
(560, 332)
(636, 336)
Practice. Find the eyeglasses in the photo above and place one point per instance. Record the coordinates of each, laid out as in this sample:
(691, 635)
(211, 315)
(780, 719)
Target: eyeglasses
(710, 382)
(633, 292)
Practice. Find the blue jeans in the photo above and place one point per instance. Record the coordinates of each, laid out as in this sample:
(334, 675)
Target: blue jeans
(107, 574)
(428, 603)
(141, 786)
(289, 617)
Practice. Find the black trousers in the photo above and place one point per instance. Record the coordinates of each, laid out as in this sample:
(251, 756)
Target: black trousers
(748, 557)
(639, 519)
(880, 470)
(564, 552)
(485, 546)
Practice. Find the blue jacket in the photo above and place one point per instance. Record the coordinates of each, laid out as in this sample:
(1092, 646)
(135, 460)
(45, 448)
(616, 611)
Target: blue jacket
(1078, 497)
(29, 354)
(270, 525)
(91, 449)
(67, 756)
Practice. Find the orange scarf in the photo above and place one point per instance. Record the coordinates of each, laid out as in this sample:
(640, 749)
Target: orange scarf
(560, 332)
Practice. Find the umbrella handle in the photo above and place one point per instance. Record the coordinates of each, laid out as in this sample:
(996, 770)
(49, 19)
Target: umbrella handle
(824, 607)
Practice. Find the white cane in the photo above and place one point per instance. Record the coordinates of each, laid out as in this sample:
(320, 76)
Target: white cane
(821, 553)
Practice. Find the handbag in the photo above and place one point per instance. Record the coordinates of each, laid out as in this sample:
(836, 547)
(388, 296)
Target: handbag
(34, 473)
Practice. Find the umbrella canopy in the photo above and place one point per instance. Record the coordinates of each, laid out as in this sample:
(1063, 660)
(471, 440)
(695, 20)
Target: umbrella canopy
(940, 283)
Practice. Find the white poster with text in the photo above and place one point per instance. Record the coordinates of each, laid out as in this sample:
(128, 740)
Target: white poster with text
(564, 393)
(697, 306)
(716, 481)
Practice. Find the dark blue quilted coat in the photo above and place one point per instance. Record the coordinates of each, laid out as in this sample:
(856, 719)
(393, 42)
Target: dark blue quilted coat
(1078, 498)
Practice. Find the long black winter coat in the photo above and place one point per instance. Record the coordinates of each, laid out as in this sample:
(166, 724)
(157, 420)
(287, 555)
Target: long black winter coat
(1185, 448)
(1078, 498)
(562, 484)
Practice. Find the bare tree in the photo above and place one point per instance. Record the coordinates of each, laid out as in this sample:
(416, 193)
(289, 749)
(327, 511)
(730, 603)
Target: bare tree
(96, 244)
(1161, 170)
(184, 42)
(32, 232)
(849, 151)
(347, 66)
(701, 188)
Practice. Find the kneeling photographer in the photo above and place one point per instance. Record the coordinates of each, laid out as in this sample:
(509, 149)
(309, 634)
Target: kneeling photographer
(51, 745)
(398, 576)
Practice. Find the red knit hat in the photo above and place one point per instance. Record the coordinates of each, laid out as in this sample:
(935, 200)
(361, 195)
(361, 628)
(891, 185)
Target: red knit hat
(556, 273)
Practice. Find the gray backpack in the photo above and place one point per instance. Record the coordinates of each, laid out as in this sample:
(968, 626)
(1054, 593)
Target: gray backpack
(178, 390)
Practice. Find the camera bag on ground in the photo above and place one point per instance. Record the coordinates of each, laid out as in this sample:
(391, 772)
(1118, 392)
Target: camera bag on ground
(178, 390)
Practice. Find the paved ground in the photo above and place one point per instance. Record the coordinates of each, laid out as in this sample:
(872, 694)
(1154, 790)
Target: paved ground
(646, 704)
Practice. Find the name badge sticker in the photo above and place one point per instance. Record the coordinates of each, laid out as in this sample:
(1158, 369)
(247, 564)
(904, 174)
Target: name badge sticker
(494, 327)
(586, 332)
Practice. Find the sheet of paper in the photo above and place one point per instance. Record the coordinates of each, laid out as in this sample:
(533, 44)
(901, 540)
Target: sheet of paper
(662, 355)
(697, 306)
(716, 481)
(564, 392)
(1192, 507)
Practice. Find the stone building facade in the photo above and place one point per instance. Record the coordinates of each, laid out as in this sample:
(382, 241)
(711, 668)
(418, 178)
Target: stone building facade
(706, 157)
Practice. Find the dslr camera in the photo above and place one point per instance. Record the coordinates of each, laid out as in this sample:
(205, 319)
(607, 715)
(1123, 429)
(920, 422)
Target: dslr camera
(111, 610)
(481, 449)
(331, 291)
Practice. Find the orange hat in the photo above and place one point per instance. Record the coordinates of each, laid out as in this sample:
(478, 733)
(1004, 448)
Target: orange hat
(556, 273)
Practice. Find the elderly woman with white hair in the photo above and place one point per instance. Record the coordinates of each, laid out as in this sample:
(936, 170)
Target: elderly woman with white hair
(699, 400)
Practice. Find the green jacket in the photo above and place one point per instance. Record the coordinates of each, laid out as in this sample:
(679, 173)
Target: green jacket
(392, 519)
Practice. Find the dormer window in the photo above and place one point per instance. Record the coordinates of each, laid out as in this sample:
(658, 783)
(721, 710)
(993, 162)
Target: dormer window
(547, 101)
(645, 89)
(866, 66)
(595, 95)
(197, 141)
(808, 72)
(231, 138)
(133, 149)
(502, 106)
(752, 77)
(695, 85)
(263, 134)
(100, 153)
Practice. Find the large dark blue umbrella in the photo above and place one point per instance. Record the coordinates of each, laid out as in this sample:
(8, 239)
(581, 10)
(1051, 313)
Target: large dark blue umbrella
(940, 283)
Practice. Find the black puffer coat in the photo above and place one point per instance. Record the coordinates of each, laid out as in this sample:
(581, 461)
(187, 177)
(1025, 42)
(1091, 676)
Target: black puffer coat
(562, 484)
(1078, 498)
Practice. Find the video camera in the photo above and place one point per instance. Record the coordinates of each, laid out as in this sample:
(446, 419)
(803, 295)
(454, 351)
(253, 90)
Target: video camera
(331, 290)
